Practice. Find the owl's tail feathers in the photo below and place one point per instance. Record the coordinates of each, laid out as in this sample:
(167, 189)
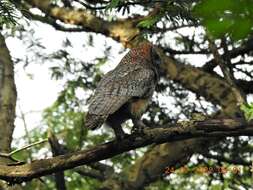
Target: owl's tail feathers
(94, 121)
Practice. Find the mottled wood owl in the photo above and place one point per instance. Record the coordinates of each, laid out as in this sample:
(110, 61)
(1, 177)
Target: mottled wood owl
(124, 92)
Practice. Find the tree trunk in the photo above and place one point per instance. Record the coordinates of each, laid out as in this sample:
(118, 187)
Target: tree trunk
(8, 97)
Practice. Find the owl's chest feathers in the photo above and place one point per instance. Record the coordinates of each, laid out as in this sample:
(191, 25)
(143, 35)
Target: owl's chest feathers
(138, 106)
(134, 108)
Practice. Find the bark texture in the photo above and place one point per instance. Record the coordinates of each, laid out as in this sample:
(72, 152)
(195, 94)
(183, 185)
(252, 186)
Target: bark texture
(8, 97)
(209, 129)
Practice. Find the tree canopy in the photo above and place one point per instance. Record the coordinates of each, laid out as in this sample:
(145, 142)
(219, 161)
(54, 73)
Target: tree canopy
(200, 118)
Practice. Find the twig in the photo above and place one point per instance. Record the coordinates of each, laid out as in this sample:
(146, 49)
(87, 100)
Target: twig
(23, 148)
(228, 74)
(228, 160)
(26, 129)
(57, 150)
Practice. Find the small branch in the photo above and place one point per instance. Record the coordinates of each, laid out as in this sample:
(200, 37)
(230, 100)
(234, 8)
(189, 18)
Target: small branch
(90, 173)
(145, 3)
(227, 160)
(168, 133)
(26, 130)
(228, 74)
(56, 150)
(172, 51)
(171, 28)
(245, 49)
(23, 148)
(102, 167)
(53, 23)
(247, 73)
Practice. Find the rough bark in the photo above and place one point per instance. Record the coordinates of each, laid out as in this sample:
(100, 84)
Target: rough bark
(7, 97)
(209, 128)
(56, 150)
(7, 105)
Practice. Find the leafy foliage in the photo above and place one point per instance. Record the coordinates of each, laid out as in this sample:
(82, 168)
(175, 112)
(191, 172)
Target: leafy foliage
(248, 111)
(8, 13)
(173, 11)
(112, 4)
(228, 17)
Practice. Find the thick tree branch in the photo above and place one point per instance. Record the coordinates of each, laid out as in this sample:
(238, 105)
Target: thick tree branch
(7, 97)
(89, 22)
(7, 105)
(208, 128)
(59, 149)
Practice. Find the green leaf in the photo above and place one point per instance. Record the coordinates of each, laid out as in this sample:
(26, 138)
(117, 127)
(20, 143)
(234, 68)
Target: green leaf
(242, 28)
(148, 23)
(231, 17)
(209, 8)
(218, 28)
(248, 111)
(113, 4)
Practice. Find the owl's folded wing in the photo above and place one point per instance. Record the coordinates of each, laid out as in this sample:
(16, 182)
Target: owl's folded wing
(115, 90)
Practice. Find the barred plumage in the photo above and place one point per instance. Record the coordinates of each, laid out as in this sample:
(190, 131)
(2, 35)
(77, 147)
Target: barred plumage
(123, 93)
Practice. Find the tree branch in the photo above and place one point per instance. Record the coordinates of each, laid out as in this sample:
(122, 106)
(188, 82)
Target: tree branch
(56, 150)
(227, 72)
(173, 51)
(169, 133)
(7, 97)
(245, 49)
(238, 161)
(23, 148)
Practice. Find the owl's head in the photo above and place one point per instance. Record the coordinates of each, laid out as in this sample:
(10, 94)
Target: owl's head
(149, 52)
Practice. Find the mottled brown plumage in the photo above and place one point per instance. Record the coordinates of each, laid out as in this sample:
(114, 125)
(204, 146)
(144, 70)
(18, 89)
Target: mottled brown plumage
(124, 92)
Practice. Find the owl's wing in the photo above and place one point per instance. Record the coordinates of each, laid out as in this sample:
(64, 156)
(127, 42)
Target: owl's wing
(120, 85)
(115, 89)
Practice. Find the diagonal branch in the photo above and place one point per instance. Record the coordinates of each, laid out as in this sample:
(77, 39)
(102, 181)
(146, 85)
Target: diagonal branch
(245, 49)
(227, 72)
(56, 150)
(208, 128)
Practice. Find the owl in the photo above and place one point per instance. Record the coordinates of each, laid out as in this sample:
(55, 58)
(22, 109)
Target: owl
(124, 92)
